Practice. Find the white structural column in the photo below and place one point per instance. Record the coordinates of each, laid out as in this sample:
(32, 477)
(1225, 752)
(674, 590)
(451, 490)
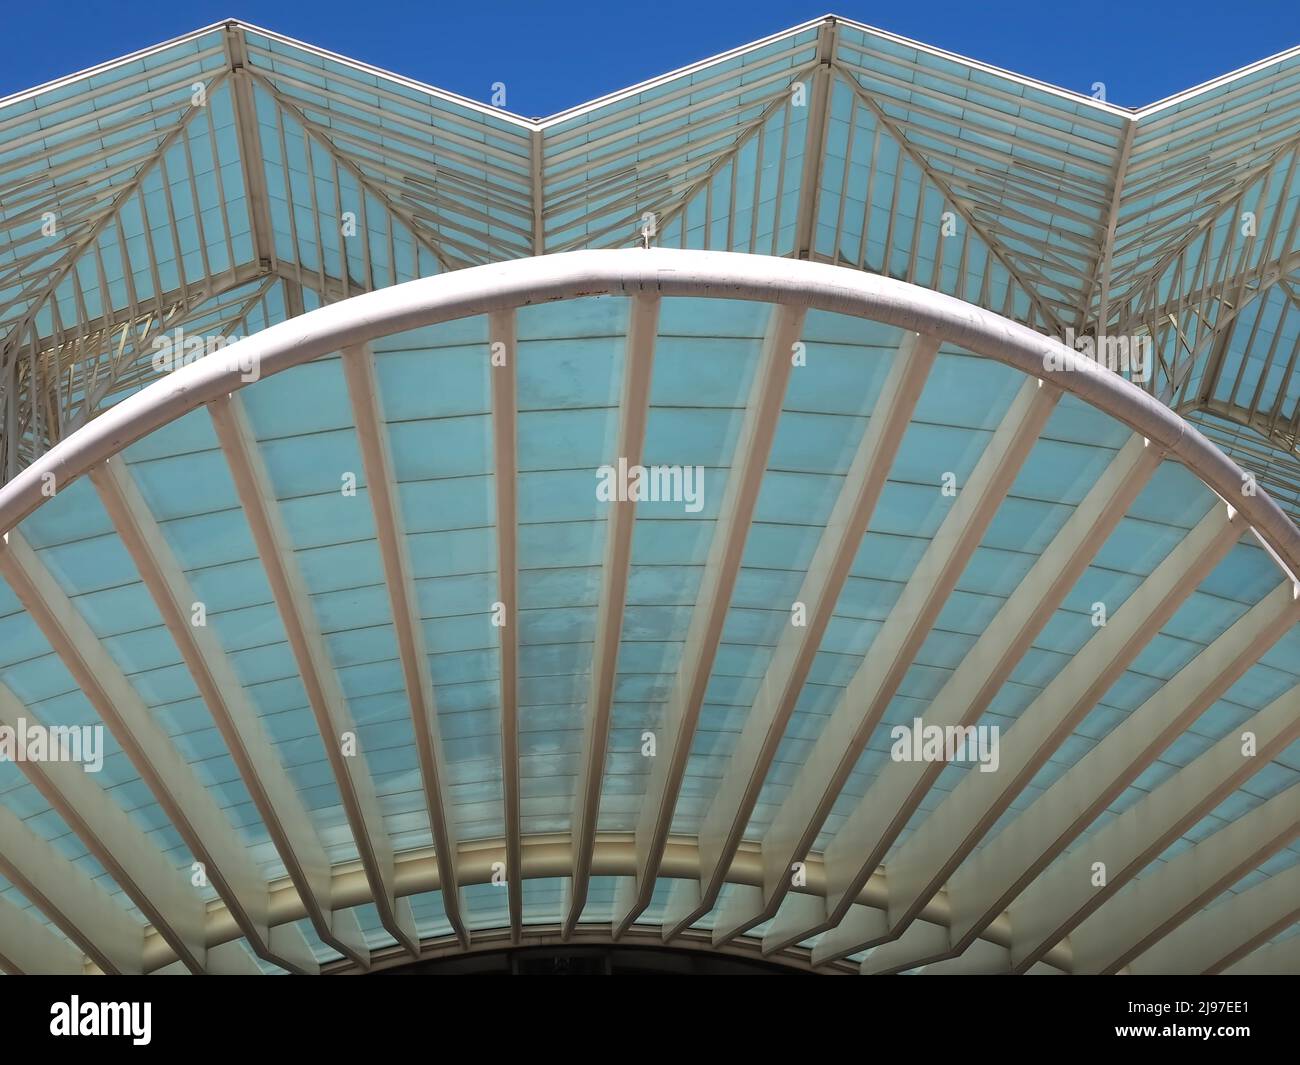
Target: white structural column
(753, 445)
(75, 904)
(820, 590)
(1151, 907)
(502, 340)
(860, 845)
(28, 948)
(381, 486)
(273, 793)
(634, 410)
(945, 838)
(863, 703)
(983, 887)
(1067, 893)
(333, 718)
(190, 806)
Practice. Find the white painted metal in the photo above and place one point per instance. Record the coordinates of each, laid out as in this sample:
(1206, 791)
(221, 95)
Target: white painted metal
(273, 793)
(821, 587)
(333, 717)
(29, 948)
(1148, 909)
(381, 486)
(860, 709)
(188, 804)
(1062, 898)
(638, 360)
(726, 549)
(859, 847)
(70, 900)
(642, 274)
(943, 840)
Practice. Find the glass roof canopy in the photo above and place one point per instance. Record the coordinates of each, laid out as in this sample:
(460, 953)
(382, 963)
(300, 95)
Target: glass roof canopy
(232, 179)
(347, 733)
(210, 178)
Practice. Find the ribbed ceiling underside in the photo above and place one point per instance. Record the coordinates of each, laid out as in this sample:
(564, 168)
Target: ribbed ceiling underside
(381, 670)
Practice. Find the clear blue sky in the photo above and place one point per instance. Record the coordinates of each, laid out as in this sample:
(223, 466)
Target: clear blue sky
(553, 54)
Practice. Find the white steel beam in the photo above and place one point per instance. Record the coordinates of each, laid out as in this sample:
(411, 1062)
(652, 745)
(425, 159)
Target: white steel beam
(189, 805)
(634, 410)
(985, 885)
(273, 793)
(330, 708)
(829, 569)
(1229, 938)
(251, 159)
(163, 893)
(863, 703)
(1150, 908)
(669, 273)
(945, 838)
(1273, 959)
(28, 948)
(814, 145)
(80, 908)
(505, 478)
(381, 486)
(1066, 894)
(860, 845)
(681, 715)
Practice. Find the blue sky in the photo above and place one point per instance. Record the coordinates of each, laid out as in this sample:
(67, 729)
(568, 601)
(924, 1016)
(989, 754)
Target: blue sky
(553, 54)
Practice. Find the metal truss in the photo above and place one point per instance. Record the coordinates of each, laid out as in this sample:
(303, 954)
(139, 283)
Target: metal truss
(1056, 210)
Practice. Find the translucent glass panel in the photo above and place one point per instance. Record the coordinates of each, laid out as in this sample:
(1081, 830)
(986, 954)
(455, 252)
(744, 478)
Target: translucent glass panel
(570, 374)
(705, 361)
(396, 134)
(965, 125)
(1271, 780)
(826, 410)
(1055, 478)
(435, 394)
(749, 199)
(656, 912)
(319, 950)
(186, 218)
(186, 483)
(73, 540)
(312, 458)
(486, 906)
(20, 902)
(879, 210)
(1257, 371)
(430, 914)
(960, 405)
(602, 899)
(377, 937)
(721, 127)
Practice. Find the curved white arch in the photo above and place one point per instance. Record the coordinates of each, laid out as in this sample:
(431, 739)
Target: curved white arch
(664, 272)
(792, 286)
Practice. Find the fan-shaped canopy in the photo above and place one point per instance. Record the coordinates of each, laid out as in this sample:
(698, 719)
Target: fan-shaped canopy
(393, 658)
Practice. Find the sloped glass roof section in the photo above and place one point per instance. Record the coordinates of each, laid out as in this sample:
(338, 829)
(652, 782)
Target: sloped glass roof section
(235, 176)
(384, 661)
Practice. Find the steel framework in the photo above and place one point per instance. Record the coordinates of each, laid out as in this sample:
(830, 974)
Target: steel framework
(934, 901)
(233, 177)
